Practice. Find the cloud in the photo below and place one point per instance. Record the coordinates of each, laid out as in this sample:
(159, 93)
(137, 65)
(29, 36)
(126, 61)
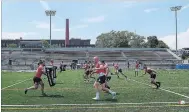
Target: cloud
(95, 19)
(185, 7)
(129, 4)
(17, 35)
(151, 10)
(58, 29)
(80, 26)
(43, 25)
(183, 40)
(45, 5)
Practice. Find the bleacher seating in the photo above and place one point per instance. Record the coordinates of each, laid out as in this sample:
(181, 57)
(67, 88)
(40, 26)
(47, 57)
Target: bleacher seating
(110, 55)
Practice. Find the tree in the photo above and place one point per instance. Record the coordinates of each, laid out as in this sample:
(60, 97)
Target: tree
(152, 41)
(45, 44)
(128, 39)
(114, 39)
(161, 44)
(138, 42)
(12, 46)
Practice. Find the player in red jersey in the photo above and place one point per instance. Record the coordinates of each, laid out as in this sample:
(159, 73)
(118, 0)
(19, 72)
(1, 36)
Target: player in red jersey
(101, 71)
(86, 70)
(108, 78)
(52, 62)
(116, 69)
(152, 74)
(37, 79)
(136, 68)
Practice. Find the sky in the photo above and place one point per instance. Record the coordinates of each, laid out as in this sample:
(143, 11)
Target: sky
(90, 18)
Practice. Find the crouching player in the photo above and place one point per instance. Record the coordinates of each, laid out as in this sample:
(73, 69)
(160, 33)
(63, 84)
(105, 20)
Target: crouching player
(152, 74)
(108, 78)
(101, 80)
(37, 79)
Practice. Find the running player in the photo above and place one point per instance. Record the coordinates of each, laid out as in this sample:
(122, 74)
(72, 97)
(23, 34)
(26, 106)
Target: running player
(108, 78)
(61, 66)
(101, 71)
(86, 70)
(52, 62)
(91, 66)
(37, 79)
(152, 74)
(116, 68)
(136, 68)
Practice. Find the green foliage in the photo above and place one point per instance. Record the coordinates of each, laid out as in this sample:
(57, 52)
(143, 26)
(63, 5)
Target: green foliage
(12, 46)
(127, 39)
(46, 44)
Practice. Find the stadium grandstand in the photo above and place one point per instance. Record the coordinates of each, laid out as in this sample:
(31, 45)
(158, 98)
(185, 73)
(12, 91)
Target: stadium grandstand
(18, 58)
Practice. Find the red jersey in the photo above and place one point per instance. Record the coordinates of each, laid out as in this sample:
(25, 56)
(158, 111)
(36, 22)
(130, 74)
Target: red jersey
(86, 66)
(97, 65)
(39, 71)
(103, 70)
(107, 69)
(137, 66)
(52, 63)
(116, 66)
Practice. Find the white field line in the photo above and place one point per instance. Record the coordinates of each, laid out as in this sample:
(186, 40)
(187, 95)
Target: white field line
(97, 104)
(161, 89)
(15, 84)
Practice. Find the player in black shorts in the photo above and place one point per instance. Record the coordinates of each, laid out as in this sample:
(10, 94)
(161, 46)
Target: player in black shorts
(152, 74)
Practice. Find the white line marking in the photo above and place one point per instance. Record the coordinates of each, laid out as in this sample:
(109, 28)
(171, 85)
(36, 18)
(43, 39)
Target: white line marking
(97, 104)
(15, 84)
(161, 89)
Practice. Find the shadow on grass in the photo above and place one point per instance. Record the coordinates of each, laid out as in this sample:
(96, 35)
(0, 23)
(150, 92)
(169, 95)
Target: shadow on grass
(52, 96)
(109, 100)
(59, 83)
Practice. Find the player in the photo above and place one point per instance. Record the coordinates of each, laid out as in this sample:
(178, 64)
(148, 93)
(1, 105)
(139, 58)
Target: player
(61, 66)
(116, 68)
(152, 74)
(100, 70)
(52, 62)
(91, 72)
(108, 78)
(86, 70)
(136, 68)
(37, 79)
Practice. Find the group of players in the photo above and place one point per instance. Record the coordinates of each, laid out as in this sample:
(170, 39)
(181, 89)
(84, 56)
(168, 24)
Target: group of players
(101, 68)
(98, 67)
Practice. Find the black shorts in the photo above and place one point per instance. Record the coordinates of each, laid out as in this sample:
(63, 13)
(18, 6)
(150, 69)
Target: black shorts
(120, 70)
(153, 76)
(101, 79)
(36, 79)
(108, 78)
(87, 72)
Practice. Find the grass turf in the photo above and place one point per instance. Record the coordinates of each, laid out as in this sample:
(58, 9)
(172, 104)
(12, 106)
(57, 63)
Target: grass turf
(71, 89)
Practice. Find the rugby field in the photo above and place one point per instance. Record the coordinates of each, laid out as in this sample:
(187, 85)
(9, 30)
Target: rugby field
(72, 94)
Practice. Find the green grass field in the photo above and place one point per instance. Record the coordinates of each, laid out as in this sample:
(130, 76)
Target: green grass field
(134, 94)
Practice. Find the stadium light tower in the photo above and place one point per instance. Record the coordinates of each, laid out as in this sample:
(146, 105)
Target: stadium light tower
(176, 8)
(50, 13)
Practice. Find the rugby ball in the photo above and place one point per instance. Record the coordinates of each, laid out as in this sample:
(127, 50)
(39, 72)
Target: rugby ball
(182, 102)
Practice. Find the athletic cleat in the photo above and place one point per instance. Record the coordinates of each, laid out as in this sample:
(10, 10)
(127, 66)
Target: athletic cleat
(25, 91)
(159, 84)
(113, 95)
(95, 98)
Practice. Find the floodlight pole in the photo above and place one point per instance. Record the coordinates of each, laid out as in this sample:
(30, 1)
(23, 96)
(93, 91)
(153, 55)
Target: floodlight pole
(50, 13)
(176, 8)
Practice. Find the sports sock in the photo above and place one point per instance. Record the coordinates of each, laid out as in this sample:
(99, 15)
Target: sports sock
(110, 91)
(97, 94)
